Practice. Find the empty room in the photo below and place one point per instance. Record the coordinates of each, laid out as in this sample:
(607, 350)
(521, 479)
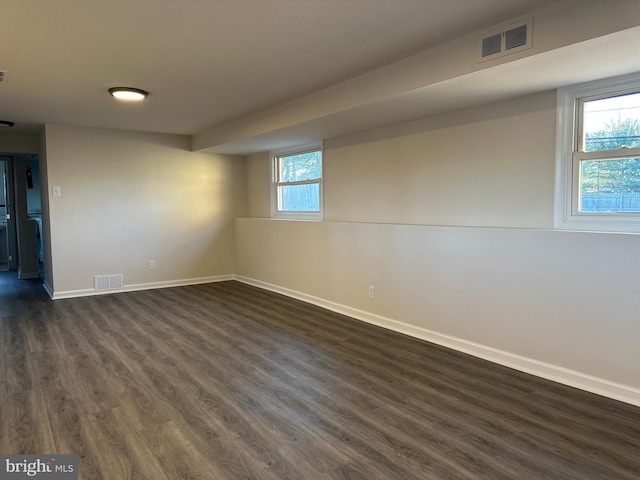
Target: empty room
(320, 239)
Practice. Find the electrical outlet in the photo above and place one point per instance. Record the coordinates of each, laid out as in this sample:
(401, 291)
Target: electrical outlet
(372, 292)
(152, 264)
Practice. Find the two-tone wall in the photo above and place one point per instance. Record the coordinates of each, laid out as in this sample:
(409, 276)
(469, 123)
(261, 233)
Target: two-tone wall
(449, 218)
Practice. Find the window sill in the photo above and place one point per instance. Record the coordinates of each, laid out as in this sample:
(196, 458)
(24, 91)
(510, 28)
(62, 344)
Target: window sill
(310, 217)
(600, 223)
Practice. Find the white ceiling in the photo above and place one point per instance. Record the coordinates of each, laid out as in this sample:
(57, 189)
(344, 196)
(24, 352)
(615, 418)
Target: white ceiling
(206, 62)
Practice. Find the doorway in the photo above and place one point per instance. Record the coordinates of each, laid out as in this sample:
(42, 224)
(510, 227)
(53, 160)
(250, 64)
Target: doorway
(7, 216)
(20, 216)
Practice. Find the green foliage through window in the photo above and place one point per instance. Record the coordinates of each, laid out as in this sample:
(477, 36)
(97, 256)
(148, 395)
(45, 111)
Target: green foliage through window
(298, 182)
(611, 185)
(303, 166)
(616, 134)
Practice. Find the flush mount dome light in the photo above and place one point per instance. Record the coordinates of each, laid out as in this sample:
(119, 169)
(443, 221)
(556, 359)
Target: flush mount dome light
(128, 93)
(6, 124)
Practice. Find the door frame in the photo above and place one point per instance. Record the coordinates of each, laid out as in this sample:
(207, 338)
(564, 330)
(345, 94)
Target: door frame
(12, 235)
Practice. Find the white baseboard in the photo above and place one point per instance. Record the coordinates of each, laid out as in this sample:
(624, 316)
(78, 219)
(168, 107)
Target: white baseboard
(572, 378)
(138, 286)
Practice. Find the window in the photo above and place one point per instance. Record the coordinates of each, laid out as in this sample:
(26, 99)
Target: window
(297, 184)
(598, 156)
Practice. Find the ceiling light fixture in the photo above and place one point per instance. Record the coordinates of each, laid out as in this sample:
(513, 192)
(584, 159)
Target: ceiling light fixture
(128, 93)
(6, 124)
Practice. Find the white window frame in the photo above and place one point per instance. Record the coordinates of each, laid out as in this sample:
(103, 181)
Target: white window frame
(569, 154)
(295, 215)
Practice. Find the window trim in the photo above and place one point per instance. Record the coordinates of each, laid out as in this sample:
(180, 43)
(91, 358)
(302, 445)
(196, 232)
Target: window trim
(568, 157)
(297, 215)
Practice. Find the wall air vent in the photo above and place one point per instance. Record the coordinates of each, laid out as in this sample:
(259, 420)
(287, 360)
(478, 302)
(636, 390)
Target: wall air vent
(502, 41)
(3, 75)
(107, 282)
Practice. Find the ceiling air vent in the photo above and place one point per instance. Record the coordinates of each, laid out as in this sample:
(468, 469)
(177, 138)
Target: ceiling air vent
(492, 45)
(3, 75)
(502, 41)
(516, 37)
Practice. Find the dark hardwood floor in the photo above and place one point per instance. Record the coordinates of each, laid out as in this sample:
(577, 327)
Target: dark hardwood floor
(227, 381)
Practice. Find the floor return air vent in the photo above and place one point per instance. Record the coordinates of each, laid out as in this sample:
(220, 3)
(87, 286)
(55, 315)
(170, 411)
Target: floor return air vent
(107, 282)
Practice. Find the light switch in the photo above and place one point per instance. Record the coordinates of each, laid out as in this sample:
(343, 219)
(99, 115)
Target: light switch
(55, 191)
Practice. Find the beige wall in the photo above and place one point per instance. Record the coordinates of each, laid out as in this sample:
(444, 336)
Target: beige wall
(129, 197)
(19, 143)
(258, 185)
(483, 166)
(500, 284)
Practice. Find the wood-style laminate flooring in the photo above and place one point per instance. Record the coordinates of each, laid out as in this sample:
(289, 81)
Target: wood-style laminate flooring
(227, 381)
